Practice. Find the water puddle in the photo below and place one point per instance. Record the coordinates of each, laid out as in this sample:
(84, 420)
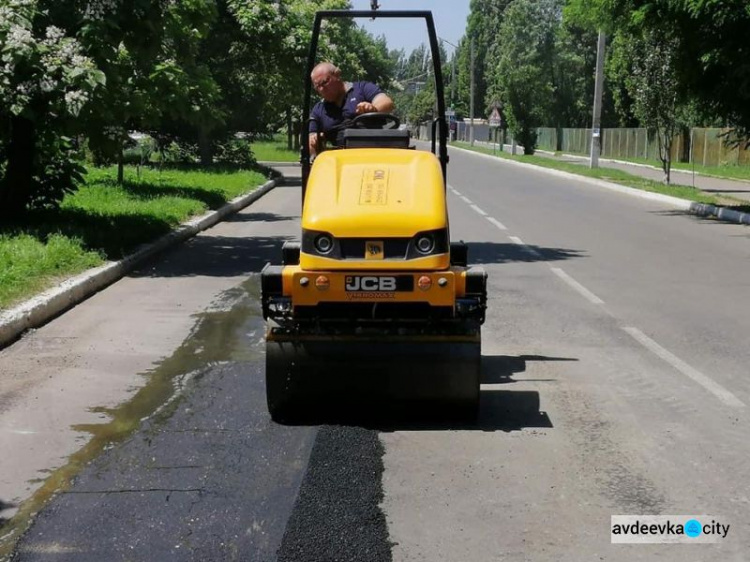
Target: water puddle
(229, 330)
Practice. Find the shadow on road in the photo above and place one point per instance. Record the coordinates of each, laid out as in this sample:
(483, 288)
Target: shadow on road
(290, 182)
(261, 217)
(491, 252)
(499, 369)
(215, 256)
(499, 410)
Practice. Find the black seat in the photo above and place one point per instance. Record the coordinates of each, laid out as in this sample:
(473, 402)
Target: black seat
(376, 138)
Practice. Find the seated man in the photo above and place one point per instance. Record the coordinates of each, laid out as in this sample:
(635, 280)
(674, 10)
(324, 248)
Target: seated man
(341, 101)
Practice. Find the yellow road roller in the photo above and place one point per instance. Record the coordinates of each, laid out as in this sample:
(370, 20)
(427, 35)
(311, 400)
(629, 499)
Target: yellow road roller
(374, 307)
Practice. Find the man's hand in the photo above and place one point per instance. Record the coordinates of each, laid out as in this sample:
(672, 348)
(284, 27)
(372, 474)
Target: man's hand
(313, 142)
(365, 107)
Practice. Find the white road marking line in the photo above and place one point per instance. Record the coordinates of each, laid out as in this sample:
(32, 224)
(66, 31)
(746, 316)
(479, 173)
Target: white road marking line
(466, 199)
(497, 223)
(525, 247)
(453, 189)
(478, 210)
(706, 382)
(591, 297)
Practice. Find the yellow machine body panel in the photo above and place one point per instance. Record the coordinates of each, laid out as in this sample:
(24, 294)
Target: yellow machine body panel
(375, 191)
(373, 195)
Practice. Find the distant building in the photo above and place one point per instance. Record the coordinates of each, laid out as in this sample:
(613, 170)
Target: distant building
(414, 87)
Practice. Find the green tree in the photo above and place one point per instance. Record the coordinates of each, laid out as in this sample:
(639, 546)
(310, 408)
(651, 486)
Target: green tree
(271, 45)
(157, 80)
(415, 80)
(710, 63)
(653, 86)
(482, 26)
(521, 72)
(573, 64)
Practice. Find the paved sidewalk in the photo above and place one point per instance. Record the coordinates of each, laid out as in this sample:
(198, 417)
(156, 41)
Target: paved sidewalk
(737, 189)
(717, 186)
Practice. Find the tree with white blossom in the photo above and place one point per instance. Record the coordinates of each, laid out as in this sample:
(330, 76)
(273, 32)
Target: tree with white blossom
(45, 81)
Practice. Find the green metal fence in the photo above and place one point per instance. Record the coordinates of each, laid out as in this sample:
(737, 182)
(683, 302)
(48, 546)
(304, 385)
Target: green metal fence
(709, 147)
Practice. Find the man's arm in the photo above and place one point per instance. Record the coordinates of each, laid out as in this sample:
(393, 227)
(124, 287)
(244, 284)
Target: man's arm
(312, 139)
(381, 103)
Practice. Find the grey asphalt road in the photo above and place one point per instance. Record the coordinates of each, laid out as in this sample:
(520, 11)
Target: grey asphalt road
(614, 383)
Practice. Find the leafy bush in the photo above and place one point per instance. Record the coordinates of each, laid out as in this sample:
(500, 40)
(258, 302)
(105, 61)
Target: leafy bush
(237, 152)
(178, 152)
(57, 172)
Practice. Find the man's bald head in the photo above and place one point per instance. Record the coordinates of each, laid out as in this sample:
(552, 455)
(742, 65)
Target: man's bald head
(325, 68)
(326, 78)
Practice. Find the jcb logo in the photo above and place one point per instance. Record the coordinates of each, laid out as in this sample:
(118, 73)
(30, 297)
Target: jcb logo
(370, 283)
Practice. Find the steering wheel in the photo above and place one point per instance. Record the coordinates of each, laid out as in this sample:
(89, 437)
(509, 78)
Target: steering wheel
(376, 120)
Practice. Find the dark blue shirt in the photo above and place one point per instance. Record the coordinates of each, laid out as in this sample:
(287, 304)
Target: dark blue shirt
(330, 114)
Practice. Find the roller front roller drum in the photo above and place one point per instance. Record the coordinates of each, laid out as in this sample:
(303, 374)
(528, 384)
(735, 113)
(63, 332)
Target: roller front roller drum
(371, 375)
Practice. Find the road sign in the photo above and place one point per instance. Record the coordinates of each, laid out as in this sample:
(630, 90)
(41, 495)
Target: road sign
(494, 119)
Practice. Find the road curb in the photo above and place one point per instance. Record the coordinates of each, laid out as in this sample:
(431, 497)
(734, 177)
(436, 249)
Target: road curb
(700, 209)
(44, 307)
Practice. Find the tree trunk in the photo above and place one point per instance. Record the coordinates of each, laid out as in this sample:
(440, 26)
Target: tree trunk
(665, 153)
(686, 148)
(289, 129)
(120, 164)
(15, 189)
(296, 127)
(206, 149)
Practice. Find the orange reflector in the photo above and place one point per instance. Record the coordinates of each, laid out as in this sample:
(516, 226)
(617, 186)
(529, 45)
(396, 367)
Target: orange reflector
(322, 282)
(424, 282)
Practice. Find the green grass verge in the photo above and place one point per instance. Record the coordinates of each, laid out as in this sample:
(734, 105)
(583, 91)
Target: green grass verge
(105, 221)
(28, 265)
(613, 175)
(274, 150)
(730, 171)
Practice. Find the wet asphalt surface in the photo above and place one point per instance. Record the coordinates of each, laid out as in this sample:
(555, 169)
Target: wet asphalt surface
(208, 476)
(578, 421)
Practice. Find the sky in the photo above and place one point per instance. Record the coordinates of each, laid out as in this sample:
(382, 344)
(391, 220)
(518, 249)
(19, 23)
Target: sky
(449, 17)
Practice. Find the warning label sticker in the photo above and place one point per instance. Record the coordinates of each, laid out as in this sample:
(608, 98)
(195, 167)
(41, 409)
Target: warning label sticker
(374, 189)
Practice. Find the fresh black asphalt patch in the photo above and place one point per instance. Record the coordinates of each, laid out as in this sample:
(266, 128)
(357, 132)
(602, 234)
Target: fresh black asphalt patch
(337, 515)
(210, 477)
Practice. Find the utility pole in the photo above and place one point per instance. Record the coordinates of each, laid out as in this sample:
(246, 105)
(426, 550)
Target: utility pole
(596, 134)
(471, 97)
(450, 113)
(453, 79)
(453, 71)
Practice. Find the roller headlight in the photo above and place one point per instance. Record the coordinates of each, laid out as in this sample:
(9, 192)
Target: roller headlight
(323, 244)
(425, 244)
